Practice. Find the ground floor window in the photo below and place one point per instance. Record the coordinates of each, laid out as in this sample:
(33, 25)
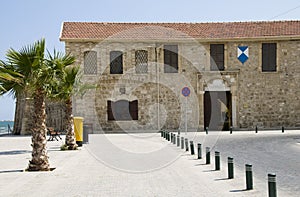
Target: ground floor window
(122, 110)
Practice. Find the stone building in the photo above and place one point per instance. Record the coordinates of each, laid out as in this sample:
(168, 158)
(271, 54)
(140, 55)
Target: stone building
(195, 75)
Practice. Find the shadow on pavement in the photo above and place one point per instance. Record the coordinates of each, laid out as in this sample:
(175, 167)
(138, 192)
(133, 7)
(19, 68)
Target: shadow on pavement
(14, 152)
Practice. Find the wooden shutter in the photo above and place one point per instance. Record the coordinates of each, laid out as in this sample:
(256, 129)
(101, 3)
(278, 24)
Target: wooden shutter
(110, 115)
(133, 109)
(217, 57)
(171, 59)
(269, 57)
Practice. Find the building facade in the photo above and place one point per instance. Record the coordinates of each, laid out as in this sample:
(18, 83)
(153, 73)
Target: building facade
(149, 76)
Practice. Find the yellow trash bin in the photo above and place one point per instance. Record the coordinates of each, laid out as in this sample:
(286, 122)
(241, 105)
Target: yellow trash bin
(78, 129)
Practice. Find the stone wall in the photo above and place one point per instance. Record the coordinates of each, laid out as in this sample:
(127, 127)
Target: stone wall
(259, 98)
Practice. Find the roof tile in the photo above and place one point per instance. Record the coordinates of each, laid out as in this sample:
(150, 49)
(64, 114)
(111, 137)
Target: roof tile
(226, 30)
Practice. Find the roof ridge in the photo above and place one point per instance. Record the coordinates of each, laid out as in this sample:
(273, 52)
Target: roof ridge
(181, 22)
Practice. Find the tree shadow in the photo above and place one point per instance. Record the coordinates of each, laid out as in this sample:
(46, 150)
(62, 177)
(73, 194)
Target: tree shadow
(10, 171)
(15, 152)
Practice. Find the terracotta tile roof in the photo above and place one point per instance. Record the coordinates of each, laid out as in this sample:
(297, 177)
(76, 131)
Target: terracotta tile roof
(226, 30)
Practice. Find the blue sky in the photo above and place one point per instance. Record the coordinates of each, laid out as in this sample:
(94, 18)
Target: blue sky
(23, 22)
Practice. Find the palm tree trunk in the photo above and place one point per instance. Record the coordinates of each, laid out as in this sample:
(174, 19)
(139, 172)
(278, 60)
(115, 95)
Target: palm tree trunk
(69, 127)
(18, 114)
(39, 161)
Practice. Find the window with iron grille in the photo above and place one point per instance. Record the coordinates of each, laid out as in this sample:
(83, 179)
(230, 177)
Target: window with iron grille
(217, 57)
(122, 110)
(90, 62)
(269, 57)
(116, 62)
(141, 61)
(170, 58)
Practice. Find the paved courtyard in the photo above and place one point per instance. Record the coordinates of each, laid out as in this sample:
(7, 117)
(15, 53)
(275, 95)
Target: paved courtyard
(147, 165)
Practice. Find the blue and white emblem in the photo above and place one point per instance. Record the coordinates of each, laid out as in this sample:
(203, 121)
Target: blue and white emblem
(243, 54)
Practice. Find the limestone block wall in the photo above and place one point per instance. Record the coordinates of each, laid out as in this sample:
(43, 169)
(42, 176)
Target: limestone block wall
(266, 99)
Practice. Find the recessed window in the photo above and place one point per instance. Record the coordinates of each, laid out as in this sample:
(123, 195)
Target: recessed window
(217, 57)
(122, 110)
(141, 61)
(90, 62)
(170, 58)
(269, 57)
(116, 62)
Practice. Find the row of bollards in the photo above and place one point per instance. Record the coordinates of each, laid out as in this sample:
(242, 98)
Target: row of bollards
(183, 142)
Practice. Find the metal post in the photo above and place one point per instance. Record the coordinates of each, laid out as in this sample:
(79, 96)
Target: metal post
(207, 155)
(174, 138)
(256, 129)
(206, 130)
(230, 129)
(199, 151)
(178, 140)
(186, 144)
(272, 185)
(217, 160)
(168, 136)
(186, 103)
(161, 133)
(230, 168)
(192, 147)
(249, 177)
(182, 142)
(171, 137)
(282, 129)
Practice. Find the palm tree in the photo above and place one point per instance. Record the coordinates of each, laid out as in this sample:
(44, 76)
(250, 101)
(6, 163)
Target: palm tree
(63, 88)
(30, 61)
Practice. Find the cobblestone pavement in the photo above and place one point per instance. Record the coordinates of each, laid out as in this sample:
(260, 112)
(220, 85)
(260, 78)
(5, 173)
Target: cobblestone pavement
(148, 165)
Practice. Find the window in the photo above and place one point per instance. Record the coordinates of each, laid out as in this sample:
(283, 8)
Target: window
(171, 59)
(216, 57)
(141, 61)
(269, 57)
(90, 62)
(122, 110)
(116, 62)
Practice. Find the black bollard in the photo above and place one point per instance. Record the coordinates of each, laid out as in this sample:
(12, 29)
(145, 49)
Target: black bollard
(256, 129)
(230, 168)
(206, 130)
(272, 185)
(182, 142)
(192, 147)
(178, 140)
(174, 138)
(186, 144)
(199, 151)
(230, 129)
(171, 137)
(178, 131)
(249, 177)
(168, 136)
(207, 155)
(161, 133)
(217, 160)
(282, 129)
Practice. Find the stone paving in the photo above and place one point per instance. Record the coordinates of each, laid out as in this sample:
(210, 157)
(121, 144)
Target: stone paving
(144, 165)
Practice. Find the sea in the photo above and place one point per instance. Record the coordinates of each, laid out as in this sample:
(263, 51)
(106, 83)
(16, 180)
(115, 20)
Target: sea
(4, 126)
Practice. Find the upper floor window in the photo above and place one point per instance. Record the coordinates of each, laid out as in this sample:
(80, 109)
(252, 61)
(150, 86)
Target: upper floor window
(90, 62)
(141, 61)
(269, 57)
(217, 57)
(122, 110)
(170, 58)
(116, 62)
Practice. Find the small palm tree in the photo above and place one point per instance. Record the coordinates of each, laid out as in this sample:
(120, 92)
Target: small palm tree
(62, 89)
